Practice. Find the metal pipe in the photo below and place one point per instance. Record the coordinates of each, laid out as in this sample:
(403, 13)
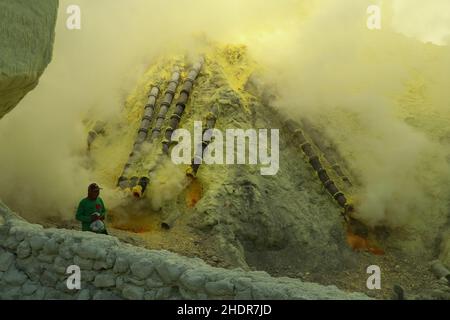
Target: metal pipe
(316, 164)
(166, 103)
(139, 190)
(328, 152)
(211, 120)
(137, 185)
(181, 105)
(98, 129)
(147, 118)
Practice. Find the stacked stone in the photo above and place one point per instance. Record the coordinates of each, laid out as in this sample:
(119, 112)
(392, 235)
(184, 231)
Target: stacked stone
(147, 118)
(181, 104)
(315, 162)
(34, 264)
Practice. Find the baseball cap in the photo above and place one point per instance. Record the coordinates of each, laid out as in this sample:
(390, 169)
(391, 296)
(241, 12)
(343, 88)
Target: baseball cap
(94, 186)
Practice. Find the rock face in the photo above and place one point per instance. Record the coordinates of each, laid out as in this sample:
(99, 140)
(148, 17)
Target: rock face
(251, 221)
(27, 31)
(34, 261)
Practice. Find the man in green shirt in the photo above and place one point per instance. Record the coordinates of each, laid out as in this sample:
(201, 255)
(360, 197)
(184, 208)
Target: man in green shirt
(91, 209)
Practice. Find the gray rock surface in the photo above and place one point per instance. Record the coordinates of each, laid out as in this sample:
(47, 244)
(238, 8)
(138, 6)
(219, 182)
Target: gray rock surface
(27, 31)
(6, 259)
(105, 281)
(132, 292)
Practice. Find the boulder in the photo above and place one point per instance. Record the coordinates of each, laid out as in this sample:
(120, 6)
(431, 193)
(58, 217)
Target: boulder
(6, 259)
(14, 277)
(104, 281)
(142, 269)
(131, 292)
(26, 38)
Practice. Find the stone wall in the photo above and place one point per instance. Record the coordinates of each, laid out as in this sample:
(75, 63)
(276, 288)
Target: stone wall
(27, 32)
(34, 260)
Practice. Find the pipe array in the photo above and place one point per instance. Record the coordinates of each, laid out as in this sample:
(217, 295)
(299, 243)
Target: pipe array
(180, 106)
(149, 110)
(166, 103)
(138, 185)
(147, 119)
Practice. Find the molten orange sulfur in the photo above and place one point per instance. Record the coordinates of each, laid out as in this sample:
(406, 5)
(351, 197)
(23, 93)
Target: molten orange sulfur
(358, 243)
(194, 193)
(137, 223)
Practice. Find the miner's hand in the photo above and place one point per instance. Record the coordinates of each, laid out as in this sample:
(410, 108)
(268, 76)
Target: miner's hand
(95, 217)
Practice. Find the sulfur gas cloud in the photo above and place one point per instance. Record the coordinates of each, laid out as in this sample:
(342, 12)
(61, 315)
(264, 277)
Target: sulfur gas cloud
(372, 91)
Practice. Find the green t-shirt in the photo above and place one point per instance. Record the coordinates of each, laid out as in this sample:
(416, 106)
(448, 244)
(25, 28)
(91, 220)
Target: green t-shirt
(86, 208)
